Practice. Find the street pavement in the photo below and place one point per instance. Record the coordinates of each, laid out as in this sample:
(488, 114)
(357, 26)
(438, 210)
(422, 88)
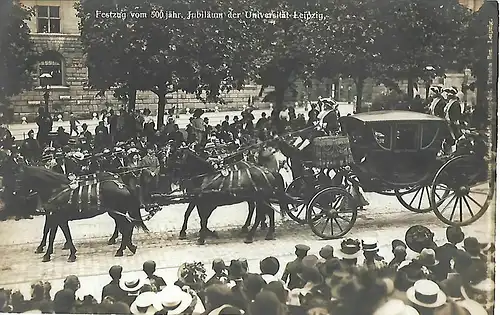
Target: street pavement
(384, 219)
(20, 131)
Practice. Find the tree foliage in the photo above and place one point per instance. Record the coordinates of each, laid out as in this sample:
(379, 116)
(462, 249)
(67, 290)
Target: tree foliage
(205, 57)
(17, 52)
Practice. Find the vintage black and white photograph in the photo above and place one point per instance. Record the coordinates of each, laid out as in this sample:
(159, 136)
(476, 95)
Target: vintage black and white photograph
(248, 157)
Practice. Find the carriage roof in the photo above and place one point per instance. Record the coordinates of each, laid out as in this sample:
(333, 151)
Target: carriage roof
(393, 116)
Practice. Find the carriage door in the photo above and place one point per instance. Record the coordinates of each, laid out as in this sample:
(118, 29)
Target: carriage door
(406, 150)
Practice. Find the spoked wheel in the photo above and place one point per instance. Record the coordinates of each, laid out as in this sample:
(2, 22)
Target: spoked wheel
(418, 199)
(299, 189)
(331, 213)
(465, 178)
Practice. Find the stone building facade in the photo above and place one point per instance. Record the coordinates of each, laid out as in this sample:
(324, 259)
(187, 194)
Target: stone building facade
(55, 34)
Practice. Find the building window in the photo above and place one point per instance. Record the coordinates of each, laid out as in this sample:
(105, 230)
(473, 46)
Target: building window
(51, 63)
(48, 20)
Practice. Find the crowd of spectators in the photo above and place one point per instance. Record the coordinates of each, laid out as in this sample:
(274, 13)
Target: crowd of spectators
(454, 278)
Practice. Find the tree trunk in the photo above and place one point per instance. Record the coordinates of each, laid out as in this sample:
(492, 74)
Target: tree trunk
(279, 92)
(161, 92)
(360, 82)
(132, 94)
(275, 114)
(410, 87)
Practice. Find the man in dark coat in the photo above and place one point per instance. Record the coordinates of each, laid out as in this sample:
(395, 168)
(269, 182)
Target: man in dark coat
(112, 289)
(292, 268)
(30, 148)
(62, 138)
(149, 268)
(85, 137)
(113, 125)
(101, 136)
(44, 122)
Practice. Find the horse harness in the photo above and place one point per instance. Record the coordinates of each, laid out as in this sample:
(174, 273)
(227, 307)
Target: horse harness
(84, 192)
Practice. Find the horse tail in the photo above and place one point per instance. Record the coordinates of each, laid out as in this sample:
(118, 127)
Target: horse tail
(135, 214)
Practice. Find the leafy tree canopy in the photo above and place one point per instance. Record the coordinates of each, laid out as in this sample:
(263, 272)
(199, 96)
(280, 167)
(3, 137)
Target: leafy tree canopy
(17, 52)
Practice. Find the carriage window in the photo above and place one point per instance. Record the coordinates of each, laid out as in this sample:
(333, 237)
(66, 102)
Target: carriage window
(406, 137)
(429, 134)
(382, 135)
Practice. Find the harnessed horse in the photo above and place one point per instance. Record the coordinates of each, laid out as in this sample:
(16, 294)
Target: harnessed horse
(66, 201)
(270, 159)
(211, 188)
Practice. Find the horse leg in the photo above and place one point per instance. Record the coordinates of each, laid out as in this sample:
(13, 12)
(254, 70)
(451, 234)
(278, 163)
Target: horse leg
(258, 218)
(124, 227)
(251, 210)
(189, 210)
(204, 213)
(46, 230)
(69, 240)
(53, 225)
(113, 238)
(272, 223)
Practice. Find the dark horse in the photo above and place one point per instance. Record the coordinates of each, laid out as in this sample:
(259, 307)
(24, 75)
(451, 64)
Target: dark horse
(210, 188)
(267, 158)
(103, 193)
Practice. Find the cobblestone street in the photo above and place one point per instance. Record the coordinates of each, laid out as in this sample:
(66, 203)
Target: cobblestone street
(20, 266)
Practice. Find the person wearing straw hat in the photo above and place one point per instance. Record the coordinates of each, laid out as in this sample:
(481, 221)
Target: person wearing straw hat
(427, 259)
(454, 110)
(131, 284)
(173, 300)
(473, 307)
(370, 251)
(350, 250)
(395, 307)
(425, 295)
(478, 286)
(144, 304)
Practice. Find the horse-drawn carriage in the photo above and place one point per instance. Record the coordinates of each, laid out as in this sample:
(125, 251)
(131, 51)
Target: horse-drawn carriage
(395, 153)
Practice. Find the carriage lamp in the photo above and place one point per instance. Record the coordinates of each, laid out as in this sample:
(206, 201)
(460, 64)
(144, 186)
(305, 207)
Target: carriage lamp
(46, 92)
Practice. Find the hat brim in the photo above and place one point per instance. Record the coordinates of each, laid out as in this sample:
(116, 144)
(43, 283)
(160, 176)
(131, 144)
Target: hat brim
(487, 285)
(472, 307)
(150, 311)
(139, 285)
(349, 256)
(440, 301)
(186, 300)
(371, 249)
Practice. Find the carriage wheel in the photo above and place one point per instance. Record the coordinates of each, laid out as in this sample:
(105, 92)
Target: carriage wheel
(331, 213)
(298, 189)
(469, 190)
(418, 199)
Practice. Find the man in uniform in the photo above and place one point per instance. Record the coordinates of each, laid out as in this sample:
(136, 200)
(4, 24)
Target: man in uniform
(293, 268)
(329, 116)
(453, 111)
(436, 101)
